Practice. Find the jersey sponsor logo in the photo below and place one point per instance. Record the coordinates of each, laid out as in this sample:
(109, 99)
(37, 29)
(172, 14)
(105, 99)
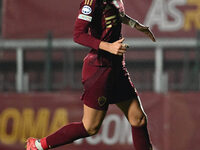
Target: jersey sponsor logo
(102, 100)
(86, 10)
(85, 17)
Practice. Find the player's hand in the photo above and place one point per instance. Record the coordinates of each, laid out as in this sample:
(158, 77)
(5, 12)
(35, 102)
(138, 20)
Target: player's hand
(117, 47)
(145, 30)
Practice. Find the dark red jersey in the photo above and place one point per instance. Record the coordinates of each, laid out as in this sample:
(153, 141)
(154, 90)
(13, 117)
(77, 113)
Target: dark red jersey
(98, 20)
(104, 75)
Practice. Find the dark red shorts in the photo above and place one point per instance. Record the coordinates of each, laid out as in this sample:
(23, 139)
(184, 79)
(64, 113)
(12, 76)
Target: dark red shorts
(104, 85)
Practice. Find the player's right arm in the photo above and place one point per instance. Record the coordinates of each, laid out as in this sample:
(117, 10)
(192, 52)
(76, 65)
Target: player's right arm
(82, 24)
(81, 28)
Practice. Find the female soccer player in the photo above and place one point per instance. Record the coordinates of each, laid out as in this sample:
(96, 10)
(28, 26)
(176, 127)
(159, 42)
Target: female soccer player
(105, 77)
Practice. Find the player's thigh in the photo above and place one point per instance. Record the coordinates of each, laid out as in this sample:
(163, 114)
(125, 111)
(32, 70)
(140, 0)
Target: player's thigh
(133, 110)
(92, 119)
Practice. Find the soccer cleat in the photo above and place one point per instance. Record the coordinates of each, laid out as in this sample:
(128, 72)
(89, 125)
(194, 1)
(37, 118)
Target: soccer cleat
(30, 145)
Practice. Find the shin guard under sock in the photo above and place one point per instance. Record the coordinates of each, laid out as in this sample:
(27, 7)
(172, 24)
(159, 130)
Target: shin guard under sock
(66, 135)
(141, 138)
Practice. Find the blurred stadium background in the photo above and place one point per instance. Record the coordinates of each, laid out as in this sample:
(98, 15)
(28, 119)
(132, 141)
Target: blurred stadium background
(40, 73)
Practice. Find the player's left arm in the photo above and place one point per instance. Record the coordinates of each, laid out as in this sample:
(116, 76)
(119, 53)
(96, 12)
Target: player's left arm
(135, 24)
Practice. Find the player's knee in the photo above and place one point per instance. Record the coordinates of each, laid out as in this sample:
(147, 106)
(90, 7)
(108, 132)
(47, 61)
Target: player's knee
(138, 120)
(92, 130)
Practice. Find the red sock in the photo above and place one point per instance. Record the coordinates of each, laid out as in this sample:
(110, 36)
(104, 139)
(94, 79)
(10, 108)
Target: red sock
(43, 142)
(141, 138)
(66, 135)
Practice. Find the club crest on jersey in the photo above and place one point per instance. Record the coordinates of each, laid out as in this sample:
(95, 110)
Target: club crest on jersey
(102, 100)
(86, 10)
